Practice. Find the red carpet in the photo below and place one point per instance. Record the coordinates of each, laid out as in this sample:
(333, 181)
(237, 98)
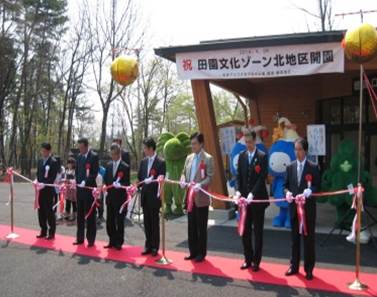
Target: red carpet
(270, 273)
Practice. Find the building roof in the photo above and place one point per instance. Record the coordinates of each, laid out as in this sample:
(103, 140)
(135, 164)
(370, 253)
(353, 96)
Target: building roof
(251, 42)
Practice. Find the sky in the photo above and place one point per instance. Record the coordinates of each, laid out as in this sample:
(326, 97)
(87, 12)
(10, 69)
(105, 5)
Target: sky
(182, 22)
(177, 22)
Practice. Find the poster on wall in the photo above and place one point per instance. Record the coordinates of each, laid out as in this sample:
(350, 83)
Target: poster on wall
(317, 140)
(227, 139)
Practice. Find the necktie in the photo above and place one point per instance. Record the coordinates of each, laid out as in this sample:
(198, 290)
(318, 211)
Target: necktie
(114, 168)
(299, 173)
(250, 157)
(194, 167)
(150, 163)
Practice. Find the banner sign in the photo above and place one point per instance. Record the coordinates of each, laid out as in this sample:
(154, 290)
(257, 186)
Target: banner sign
(275, 61)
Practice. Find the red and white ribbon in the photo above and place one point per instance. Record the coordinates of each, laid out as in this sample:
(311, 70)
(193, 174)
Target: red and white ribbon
(62, 193)
(190, 197)
(242, 211)
(355, 226)
(96, 192)
(37, 188)
(130, 192)
(300, 206)
(160, 180)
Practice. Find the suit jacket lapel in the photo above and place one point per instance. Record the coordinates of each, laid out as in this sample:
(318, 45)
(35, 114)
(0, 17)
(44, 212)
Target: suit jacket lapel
(294, 172)
(146, 167)
(304, 171)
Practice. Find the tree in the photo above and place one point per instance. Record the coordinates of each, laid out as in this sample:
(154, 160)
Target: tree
(7, 82)
(40, 25)
(324, 14)
(112, 30)
(74, 65)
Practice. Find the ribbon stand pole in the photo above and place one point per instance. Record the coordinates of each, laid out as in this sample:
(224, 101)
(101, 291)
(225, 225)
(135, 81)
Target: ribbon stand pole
(163, 260)
(12, 234)
(356, 284)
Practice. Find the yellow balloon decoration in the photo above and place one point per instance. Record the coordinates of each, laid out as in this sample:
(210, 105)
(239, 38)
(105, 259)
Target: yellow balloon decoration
(125, 70)
(360, 44)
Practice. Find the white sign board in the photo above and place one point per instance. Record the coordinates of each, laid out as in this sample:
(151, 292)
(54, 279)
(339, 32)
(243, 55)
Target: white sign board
(227, 139)
(317, 140)
(274, 61)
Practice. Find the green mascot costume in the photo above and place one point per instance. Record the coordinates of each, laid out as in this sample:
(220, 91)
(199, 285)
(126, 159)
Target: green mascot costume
(175, 149)
(342, 172)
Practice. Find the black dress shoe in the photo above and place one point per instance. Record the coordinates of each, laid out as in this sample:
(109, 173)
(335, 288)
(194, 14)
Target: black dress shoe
(199, 259)
(291, 271)
(41, 235)
(118, 247)
(154, 253)
(245, 265)
(255, 268)
(189, 257)
(108, 246)
(309, 276)
(78, 242)
(51, 237)
(146, 252)
(90, 244)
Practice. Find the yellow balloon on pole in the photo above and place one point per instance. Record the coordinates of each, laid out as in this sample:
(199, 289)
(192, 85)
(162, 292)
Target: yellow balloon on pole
(125, 70)
(360, 44)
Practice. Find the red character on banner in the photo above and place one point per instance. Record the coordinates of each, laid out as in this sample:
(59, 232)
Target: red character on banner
(257, 168)
(309, 179)
(87, 167)
(202, 168)
(187, 65)
(153, 172)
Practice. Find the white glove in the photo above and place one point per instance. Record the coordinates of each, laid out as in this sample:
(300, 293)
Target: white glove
(351, 189)
(289, 196)
(307, 192)
(237, 196)
(250, 197)
(82, 184)
(148, 180)
(39, 185)
(196, 187)
(116, 185)
(182, 182)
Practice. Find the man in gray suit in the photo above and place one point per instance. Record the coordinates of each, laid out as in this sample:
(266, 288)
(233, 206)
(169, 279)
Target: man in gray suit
(198, 169)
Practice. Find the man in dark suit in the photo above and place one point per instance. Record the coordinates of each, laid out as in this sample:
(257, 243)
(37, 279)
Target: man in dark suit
(125, 155)
(251, 183)
(302, 177)
(150, 168)
(86, 174)
(46, 174)
(117, 174)
(198, 169)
